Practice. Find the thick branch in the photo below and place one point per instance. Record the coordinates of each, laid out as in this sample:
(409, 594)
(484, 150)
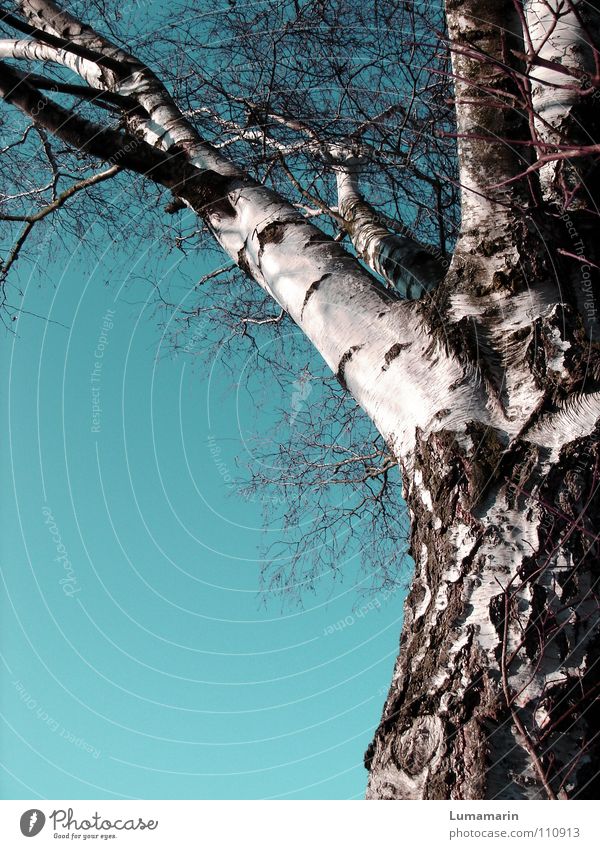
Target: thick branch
(55, 41)
(165, 124)
(358, 327)
(106, 144)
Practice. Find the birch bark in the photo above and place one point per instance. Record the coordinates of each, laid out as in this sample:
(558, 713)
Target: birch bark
(494, 694)
(487, 394)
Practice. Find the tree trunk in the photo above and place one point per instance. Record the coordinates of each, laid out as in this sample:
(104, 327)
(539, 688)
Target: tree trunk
(495, 690)
(560, 37)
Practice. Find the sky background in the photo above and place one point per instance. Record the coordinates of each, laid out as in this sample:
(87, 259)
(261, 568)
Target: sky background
(157, 669)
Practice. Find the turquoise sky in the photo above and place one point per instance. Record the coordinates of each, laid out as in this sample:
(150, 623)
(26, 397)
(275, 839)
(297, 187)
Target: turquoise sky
(138, 659)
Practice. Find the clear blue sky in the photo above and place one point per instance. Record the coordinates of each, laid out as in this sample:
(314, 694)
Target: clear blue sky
(153, 670)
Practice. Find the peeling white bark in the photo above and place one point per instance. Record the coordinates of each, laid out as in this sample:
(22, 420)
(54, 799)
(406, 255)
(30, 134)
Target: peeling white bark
(576, 419)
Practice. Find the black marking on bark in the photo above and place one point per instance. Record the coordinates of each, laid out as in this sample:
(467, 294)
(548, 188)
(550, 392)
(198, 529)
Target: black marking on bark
(274, 233)
(312, 289)
(394, 352)
(318, 239)
(334, 250)
(343, 362)
(242, 261)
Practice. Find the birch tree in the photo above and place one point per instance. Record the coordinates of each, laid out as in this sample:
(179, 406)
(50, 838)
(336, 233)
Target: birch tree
(479, 370)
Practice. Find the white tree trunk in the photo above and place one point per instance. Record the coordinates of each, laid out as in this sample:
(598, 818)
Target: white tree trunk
(487, 393)
(494, 691)
(371, 341)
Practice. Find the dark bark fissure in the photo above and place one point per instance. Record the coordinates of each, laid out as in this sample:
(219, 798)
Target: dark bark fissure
(393, 352)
